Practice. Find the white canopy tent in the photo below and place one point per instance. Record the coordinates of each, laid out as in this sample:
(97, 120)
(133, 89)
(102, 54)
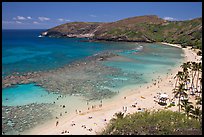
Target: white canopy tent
(163, 96)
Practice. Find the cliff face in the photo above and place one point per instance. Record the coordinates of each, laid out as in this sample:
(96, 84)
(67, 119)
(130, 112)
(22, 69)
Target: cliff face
(139, 29)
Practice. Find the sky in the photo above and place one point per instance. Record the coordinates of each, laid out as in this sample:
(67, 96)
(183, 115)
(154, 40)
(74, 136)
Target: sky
(44, 15)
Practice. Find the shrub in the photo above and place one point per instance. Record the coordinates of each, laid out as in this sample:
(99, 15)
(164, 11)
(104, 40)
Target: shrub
(163, 122)
(199, 53)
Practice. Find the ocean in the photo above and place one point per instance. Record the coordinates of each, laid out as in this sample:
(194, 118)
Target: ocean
(135, 64)
(24, 51)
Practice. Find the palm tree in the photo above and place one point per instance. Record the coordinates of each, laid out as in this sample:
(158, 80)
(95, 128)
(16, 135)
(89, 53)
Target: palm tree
(194, 68)
(197, 113)
(186, 79)
(118, 115)
(199, 69)
(187, 106)
(200, 85)
(199, 101)
(186, 66)
(180, 91)
(189, 65)
(178, 77)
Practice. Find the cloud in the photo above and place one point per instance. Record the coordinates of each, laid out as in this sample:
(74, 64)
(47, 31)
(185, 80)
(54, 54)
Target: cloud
(169, 18)
(18, 22)
(20, 18)
(43, 18)
(7, 22)
(13, 22)
(62, 20)
(35, 22)
(93, 16)
(29, 18)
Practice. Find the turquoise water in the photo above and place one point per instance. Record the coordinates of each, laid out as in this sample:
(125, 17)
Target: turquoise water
(23, 51)
(26, 94)
(145, 64)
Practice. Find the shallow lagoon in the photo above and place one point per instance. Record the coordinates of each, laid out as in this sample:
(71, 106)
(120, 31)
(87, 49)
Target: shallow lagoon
(26, 94)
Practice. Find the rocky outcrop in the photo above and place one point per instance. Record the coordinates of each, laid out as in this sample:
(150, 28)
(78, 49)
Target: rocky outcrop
(74, 29)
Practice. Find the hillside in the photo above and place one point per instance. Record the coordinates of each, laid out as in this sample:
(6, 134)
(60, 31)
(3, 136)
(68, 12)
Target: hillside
(148, 28)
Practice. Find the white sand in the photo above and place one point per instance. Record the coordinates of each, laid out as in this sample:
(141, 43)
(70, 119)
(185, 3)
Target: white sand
(143, 96)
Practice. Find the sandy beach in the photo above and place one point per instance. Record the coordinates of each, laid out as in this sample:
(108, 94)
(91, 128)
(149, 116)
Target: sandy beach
(94, 120)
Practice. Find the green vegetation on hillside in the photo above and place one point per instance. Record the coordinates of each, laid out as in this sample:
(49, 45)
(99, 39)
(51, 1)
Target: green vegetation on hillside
(163, 122)
(186, 33)
(148, 28)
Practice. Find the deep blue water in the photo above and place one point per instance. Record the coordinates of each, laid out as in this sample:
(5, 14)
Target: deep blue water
(24, 51)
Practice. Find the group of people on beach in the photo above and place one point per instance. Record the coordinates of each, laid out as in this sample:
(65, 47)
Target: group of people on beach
(77, 112)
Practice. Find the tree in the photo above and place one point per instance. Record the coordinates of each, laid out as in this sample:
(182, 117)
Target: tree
(199, 53)
(194, 69)
(199, 69)
(179, 77)
(118, 115)
(200, 85)
(186, 66)
(197, 113)
(199, 101)
(179, 92)
(187, 106)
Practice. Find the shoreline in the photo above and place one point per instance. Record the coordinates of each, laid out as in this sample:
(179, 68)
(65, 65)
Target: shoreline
(173, 45)
(144, 99)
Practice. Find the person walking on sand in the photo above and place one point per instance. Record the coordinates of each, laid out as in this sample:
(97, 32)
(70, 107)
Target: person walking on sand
(57, 123)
